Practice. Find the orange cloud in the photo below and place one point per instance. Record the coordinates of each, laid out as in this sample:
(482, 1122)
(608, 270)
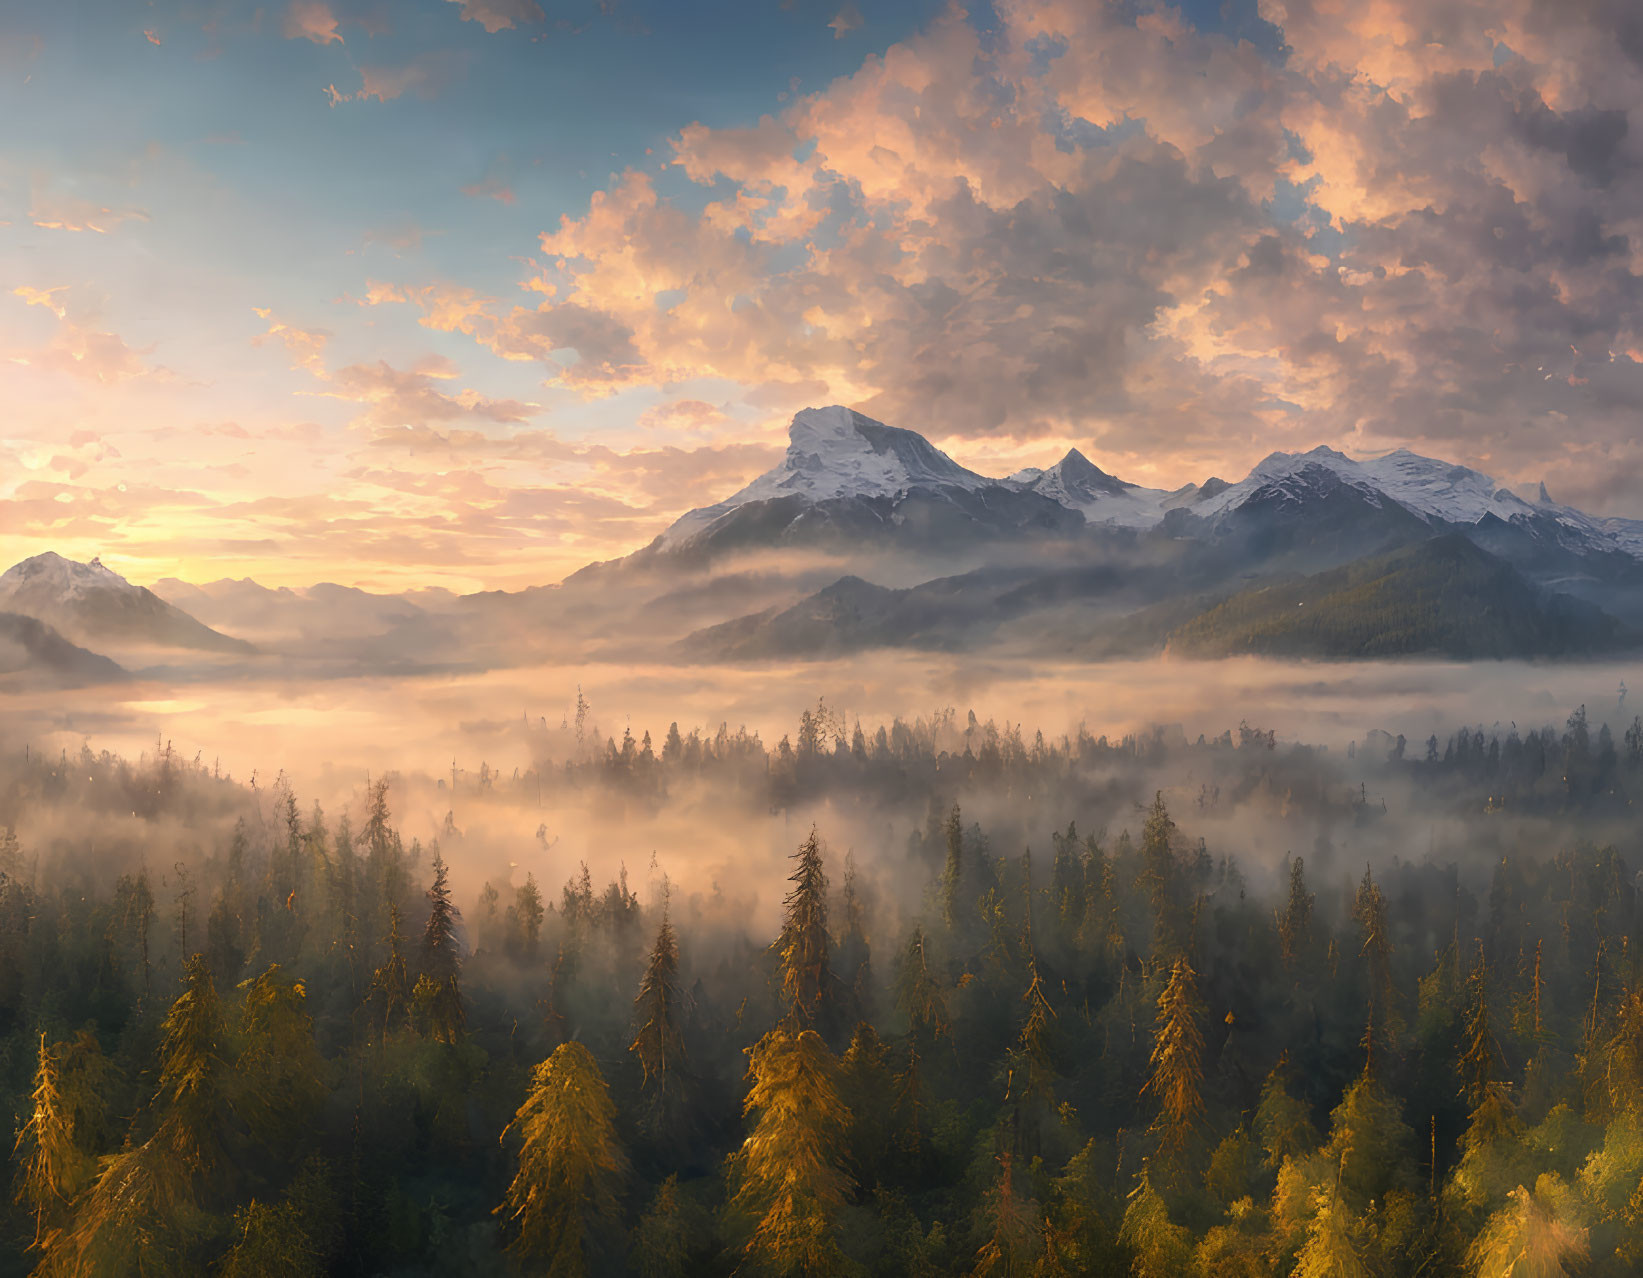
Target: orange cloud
(56, 210)
(306, 347)
(80, 347)
(399, 399)
(500, 15)
(311, 20)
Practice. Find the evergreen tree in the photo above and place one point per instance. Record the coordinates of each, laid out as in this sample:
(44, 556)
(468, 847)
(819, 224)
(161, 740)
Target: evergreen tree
(789, 1173)
(147, 1210)
(51, 1167)
(808, 986)
(952, 875)
(1015, 1241)
(280, 1071)
(1161, 1248)
(1381, 1022)
(1178, 1057)
(391, 983)
(1160, 877)
(918, 992)
(855, 953)
(1283, 1123)
(658, 1045)
(1536, 1235)
(561, 1205)
(1295, 926)
(194, 1100)
(1480, 1063)
(442, 961)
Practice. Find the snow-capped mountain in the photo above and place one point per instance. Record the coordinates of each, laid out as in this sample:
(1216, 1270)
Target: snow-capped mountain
(1439, 493)
(836, 454)
(1079, 484)
(93, 605)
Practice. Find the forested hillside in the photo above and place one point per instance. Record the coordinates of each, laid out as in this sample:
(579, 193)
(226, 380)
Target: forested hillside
(298, 1043)
(1441, 597)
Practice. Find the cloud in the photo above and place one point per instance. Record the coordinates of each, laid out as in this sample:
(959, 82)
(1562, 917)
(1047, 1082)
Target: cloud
(1363, 226)
(311, 20)
(499, 15)
(397, 399)
(305, 347)
(81, 347)
(53, 209)
(691, 415)
(425, 76)
(494, 185)
(846, 20)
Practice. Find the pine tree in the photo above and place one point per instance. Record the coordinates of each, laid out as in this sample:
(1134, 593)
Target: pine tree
(194, 1099)
(808, 986)
(1162, 1249)
(442, 961)
(1480, 1062)
(1536, 1235)
(1295, 927)
(658, 1044)
(1283, 1123)
(918, 993)
(525, 916)
(855, 953)
(280, 1071)
(1160, 876)
(561, 1205)
(1382, 1023)
(1015, 1241)
(868, 1090)
(1178, 1057)
(51, 1167)
(391, 983)
(789, 1173)
(662, 1240)
(146, 1210)
(952, 875)
(1333, 1248)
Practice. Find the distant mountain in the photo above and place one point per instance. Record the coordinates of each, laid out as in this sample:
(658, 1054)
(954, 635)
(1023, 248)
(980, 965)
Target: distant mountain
(1078, 484)
(846, 478)
(866, 535)
(1443, 597)
(32, 652)
(91, 604)
(321, 612)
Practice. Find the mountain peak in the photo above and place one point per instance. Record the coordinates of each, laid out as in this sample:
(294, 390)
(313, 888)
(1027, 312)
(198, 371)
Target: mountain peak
(51, 573)
(837, 453)
(90, 603)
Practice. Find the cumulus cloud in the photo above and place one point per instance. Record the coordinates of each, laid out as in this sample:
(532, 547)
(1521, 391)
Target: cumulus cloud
(306, 347)
(846, 20)
(499, 15)
(397, 399)
(1400, 223)
(312, 20)
(81, 347)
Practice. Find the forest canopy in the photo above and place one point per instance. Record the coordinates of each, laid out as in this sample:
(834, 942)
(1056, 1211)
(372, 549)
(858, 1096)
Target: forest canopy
(1023, 1006)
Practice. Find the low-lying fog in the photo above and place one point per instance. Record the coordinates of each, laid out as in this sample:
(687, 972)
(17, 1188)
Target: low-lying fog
(328, 738)
(330, 734)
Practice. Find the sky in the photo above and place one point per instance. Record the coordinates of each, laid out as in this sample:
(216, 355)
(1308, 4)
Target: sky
(467, 293)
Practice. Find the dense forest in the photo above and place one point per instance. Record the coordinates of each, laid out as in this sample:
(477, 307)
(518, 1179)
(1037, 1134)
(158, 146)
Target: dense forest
(1023, 1010)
